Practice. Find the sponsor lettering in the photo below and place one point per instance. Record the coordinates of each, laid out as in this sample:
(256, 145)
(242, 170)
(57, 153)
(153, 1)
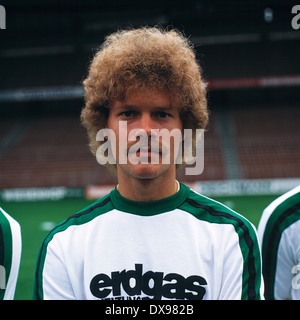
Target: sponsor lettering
(149, 285)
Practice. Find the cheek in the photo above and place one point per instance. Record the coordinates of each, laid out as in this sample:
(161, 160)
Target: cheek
(113, 124)
(110, 122)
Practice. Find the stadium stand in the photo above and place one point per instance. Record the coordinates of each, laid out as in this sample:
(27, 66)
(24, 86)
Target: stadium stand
(52, 151)
(267, 140)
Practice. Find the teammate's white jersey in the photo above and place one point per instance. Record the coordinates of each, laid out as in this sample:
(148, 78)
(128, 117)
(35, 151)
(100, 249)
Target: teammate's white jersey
(10, 255)
(186, 246)
(279, 236)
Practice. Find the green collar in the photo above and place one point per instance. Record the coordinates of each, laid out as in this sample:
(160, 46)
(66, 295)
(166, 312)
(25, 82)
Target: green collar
(149, 208)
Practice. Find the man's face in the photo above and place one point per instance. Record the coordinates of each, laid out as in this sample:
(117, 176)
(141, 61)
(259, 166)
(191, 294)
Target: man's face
(143, 111)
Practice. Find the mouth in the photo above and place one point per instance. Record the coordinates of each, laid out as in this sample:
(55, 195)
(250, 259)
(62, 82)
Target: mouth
(145, 156)
(147, 152)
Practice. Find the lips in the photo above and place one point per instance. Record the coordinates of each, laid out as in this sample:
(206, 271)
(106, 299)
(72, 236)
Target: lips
(148, 151)
(145, 151)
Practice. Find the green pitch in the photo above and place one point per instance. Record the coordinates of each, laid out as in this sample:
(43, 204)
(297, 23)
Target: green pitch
(37, 218)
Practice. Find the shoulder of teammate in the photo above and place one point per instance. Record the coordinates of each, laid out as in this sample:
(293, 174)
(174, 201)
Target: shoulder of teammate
(278, 232)
(10, 254)
(8, 221)
(279, 209)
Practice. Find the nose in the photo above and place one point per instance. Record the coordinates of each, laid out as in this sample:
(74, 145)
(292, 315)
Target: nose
(146, 123)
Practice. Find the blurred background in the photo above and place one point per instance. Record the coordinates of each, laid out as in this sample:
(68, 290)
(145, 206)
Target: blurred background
(249, 52)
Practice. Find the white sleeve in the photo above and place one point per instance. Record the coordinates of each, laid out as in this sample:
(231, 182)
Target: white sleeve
(295, 294)
(287, 282)
(55, 279)
(242, 274)
(232, 272)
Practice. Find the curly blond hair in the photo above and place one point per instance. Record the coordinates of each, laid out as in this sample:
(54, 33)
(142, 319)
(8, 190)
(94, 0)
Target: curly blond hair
(144, 58)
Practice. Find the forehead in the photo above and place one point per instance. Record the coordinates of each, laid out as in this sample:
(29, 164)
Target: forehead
(144, 99)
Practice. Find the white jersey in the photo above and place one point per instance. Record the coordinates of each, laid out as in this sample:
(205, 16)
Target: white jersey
(279, 236)
(186, 246)
(10, 255)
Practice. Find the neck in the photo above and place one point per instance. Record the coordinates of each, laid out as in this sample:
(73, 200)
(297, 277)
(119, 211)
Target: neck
(148, 189)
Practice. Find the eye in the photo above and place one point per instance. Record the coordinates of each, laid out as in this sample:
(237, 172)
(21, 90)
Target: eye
(127, 114)
(163, 115)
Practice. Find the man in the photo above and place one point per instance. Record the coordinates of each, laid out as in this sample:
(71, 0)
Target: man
(151, 237)
(279, 235)
(10, 255)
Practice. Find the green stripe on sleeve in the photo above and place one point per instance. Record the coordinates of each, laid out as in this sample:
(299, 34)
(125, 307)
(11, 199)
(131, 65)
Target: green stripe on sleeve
(5, 250)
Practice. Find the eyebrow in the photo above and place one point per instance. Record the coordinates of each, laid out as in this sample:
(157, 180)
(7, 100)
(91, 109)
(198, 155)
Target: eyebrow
(162, 108)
